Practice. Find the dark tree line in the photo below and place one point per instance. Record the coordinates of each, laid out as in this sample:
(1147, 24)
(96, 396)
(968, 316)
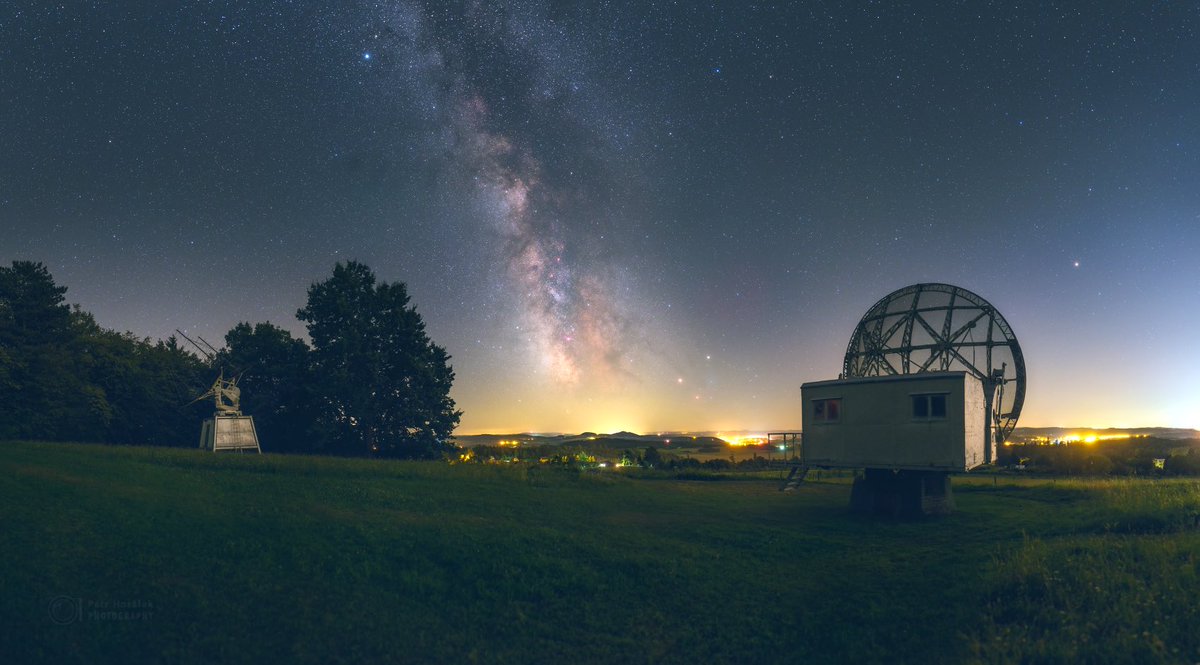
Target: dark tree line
(371, 384)
(63, 377)
(1132, 457)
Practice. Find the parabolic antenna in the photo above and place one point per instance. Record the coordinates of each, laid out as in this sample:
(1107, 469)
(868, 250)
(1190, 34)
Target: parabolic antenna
(940, 328)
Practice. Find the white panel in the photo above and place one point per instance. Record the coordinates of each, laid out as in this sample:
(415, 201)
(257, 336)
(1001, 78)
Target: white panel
(975, 423)
(235, 432)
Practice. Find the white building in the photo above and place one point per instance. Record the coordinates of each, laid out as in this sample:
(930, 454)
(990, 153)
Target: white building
(931, 421)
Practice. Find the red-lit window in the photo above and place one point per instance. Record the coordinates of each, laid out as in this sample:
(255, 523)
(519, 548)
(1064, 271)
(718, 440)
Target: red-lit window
(827, 410)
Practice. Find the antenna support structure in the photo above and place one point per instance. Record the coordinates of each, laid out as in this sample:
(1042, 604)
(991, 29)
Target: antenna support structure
(932, 383)
(229, 429)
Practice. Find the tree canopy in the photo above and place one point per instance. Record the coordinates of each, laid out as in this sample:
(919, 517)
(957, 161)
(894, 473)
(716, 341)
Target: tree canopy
(62, 377)
(382, 386)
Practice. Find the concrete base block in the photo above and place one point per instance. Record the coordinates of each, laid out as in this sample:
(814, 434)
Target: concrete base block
(902, 493)
(229, 432)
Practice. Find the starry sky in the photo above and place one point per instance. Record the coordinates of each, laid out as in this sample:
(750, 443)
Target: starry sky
(628, 215)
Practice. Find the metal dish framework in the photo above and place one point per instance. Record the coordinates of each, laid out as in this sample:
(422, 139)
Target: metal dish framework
(936, 328)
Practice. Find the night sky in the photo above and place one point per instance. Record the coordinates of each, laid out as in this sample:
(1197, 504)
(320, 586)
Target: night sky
(646, 216)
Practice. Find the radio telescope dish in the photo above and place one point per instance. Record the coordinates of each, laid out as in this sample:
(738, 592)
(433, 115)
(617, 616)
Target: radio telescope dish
(940, 328)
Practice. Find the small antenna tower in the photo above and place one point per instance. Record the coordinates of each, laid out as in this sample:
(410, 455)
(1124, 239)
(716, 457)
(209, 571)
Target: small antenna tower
(229, 428)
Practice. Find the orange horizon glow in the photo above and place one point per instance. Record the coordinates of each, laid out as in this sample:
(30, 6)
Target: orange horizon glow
(642, 414)
(744, 436)
(663, 404)
(1087, 437)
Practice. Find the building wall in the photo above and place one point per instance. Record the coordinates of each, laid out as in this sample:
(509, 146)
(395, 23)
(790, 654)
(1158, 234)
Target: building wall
(877, 429)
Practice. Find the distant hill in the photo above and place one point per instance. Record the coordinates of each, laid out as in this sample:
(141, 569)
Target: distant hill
(621, 439)
(685, 440)
(1057, 432)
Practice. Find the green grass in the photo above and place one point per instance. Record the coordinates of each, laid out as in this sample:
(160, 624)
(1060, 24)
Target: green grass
(291, 559)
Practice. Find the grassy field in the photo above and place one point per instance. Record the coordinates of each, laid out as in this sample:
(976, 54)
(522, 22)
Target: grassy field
(142, 555)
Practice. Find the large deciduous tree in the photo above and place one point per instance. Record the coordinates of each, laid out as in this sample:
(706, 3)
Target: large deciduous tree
(381, 385)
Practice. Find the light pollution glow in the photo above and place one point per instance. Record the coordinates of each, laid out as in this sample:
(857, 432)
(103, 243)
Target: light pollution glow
(1081, 437)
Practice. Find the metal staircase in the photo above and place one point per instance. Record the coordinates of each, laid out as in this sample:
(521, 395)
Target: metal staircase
(794, 478)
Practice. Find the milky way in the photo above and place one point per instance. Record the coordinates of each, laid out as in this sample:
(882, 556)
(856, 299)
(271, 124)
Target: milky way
(570, 313)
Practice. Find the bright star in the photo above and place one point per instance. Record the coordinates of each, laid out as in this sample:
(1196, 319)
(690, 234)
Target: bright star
(366, 56)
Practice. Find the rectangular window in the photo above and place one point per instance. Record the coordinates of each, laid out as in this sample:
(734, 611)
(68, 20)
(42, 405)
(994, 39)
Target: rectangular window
(929, 407)
(827, 410)
(920, 407)
(937, 407)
